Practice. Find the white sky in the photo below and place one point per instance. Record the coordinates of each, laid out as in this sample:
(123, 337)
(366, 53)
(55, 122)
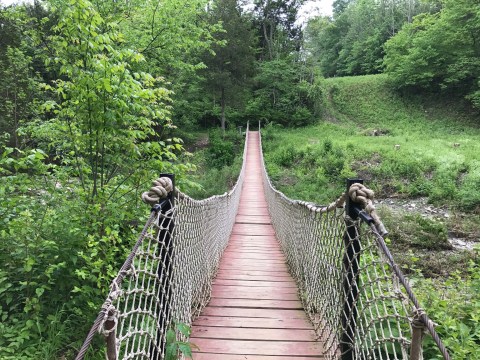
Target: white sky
(9, 2)
(316, 7)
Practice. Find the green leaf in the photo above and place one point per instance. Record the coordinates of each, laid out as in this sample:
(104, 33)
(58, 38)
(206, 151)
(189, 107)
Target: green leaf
(185, 349)
(106, 84)
(171, 337)
(184, 329)
(39, 291)
(171, 351)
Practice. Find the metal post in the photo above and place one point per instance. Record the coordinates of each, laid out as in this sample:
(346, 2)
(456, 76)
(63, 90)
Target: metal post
(351, 260)
(418, 328)
(165, 270)
(110, 338)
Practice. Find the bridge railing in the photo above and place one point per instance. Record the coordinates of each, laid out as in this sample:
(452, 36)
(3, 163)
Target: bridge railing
(353, 292)
(168, 275)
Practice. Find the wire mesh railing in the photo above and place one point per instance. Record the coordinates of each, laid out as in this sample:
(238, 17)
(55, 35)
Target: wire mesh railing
(167, 277)
(360, 303)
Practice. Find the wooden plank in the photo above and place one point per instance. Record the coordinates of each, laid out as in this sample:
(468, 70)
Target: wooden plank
(250, 211)
(239, 261)
(246, 347)
(212, 356)
(252, 334)
(258, 268)
(261, 295)
(279, 314)
(256, 303)
(259, 238)
(259, 283)
(253, 229)
(248, 219)
(256, 289)
(251, 256)
(248, 322)
(253, 249)
(242, 275)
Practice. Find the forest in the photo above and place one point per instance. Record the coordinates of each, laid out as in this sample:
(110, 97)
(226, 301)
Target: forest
(99, 97)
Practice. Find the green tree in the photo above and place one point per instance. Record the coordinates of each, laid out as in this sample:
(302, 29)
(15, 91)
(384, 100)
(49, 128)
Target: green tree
(105, 113)
(439, 51)
(277, 29)
(281, 93)
(352, 42)
(18, 90)
(230, 63)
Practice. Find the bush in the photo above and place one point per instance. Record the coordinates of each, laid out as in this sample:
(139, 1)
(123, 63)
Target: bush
(286, 156)
(456, 308)
(222, 148)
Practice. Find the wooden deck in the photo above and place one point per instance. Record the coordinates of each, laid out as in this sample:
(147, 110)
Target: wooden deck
(255, 312)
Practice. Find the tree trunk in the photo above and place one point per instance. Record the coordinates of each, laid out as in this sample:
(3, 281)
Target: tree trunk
(222, 101)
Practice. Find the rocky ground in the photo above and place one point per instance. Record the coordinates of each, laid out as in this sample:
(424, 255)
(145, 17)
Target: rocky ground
(460, 240)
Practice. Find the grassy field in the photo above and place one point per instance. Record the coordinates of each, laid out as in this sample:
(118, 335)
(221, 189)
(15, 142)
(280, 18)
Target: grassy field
(424, 147)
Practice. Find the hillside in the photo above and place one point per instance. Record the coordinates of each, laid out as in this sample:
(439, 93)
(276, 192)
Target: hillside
(419, 153)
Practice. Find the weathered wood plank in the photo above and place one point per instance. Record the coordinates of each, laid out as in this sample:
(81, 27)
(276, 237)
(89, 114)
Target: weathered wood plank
(211, 356)
(259, 283)
(249, 322)
(256, 303)
(246, 347)
(253, 334)
(255, 313)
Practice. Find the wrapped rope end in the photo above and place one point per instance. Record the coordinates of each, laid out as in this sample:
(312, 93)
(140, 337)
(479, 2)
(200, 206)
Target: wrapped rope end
(359, 193)
(159, 190)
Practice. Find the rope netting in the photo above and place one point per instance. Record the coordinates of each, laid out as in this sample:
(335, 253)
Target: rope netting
(167, 277)
(353, 292)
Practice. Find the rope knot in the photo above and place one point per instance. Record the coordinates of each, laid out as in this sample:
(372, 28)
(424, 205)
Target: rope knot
(417, 321)
(359, 193)
(110, 321)
(159, 190)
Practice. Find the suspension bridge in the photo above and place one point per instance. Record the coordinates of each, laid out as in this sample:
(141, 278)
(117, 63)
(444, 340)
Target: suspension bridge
(260, 276)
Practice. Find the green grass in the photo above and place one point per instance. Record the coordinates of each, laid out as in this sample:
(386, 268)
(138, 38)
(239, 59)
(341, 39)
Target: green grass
(427, 163)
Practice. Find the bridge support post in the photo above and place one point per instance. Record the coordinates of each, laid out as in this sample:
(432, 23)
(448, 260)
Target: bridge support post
(165, 270)
(351, 262)
(416, 349)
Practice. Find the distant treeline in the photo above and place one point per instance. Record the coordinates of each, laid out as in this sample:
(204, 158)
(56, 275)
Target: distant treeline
(432, 45)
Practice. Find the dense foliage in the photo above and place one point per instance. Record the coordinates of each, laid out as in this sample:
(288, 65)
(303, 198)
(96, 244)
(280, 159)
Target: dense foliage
(423, 44)
(85, 133)
(97, 95)
(351, 43)
(439, 51)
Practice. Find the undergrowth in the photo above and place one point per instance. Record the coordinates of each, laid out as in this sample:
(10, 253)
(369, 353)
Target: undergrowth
(218, 164)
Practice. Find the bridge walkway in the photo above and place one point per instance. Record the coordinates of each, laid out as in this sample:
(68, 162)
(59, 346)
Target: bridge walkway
(255, 312)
